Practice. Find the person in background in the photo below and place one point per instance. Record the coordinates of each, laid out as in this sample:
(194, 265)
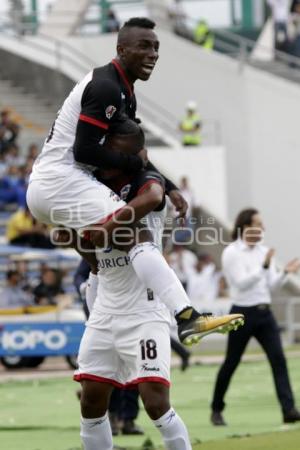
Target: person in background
(33, 151)
(190, 125)
(21, 266)
(48, 291)
(23, 229)
(112, 24)
(204, 283)
(183, 262)
(13, 296)
(203, 35)
(251, 274)
(9, 130)
(188, 194)
(280, 13)
(13, 156)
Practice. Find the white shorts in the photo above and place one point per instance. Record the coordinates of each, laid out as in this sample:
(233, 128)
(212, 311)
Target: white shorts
(75, 201)
(125, 351)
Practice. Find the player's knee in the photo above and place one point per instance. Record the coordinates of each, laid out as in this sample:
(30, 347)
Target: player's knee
(156, 408)
(156, 402)
(92, 402)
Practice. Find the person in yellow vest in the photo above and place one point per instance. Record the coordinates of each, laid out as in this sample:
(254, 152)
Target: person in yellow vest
(23, 229)
(191, 125)
(203, 35)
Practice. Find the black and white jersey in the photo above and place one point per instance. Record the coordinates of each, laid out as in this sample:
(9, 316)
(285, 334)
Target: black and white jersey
(101, 98)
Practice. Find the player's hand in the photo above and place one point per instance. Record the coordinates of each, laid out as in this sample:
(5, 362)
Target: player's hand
(179, 202)
(292, 266)
(143, 154)
(268, 258)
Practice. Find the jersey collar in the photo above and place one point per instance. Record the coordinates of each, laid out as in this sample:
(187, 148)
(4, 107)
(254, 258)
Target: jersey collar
(123, 76)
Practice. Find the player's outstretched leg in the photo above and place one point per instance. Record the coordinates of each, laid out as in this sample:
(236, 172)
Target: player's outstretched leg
(174, 433)
(193, 326)
(153, 270)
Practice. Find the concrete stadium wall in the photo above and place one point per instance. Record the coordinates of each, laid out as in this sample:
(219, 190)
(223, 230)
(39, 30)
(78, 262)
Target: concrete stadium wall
(206, 170)
(36, 78)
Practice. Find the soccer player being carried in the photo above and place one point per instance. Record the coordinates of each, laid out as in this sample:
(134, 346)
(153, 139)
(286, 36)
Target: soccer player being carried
(63, 191)
(127, 338)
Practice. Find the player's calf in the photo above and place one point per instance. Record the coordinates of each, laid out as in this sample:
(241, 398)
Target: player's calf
(174, 433)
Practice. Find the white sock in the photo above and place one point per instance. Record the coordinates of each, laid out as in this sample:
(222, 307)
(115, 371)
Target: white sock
(155, 273)
(91, 291)
(96, 433)
(173, 431)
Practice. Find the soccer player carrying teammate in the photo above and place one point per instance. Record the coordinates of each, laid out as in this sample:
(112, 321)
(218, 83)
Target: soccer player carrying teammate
(127, 338)
(63, 191)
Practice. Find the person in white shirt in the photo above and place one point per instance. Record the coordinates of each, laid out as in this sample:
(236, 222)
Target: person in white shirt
(204, 282)
(280, 13)
(251, 274)
(183, 261)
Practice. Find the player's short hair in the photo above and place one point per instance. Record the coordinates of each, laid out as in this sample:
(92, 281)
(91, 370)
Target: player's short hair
(128, 127)
(139, 22)
(243, 220)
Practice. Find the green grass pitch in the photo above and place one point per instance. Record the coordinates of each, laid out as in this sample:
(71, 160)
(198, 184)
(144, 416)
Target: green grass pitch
(44, 415)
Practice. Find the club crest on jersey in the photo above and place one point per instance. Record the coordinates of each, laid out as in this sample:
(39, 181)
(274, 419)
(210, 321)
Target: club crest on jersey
(114, 196)
(110, 110)
(125, 191)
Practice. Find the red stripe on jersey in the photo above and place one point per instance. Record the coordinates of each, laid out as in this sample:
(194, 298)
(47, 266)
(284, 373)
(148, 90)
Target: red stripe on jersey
(96, 122)
(123, 76)
(141, 190)
(88, 230)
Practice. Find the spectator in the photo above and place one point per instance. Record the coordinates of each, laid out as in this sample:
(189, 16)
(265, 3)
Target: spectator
(12, 186)
(204, 283)
(183, 262)
(33, 151)
(21, 267)
(188, 195)
(203, 35)
(112, 24)
(280, 13)
(12, 155)
(251, 274)
(3, 166)
(9, 130)
(13, 296)
(191, 125)
(49, 290)
(295, 27)
(176, 13)
(23, 229)
(184, 232)
(295, 8)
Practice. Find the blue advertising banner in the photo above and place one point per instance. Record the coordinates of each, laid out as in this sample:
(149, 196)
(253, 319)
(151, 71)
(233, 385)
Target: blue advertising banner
(40, 339)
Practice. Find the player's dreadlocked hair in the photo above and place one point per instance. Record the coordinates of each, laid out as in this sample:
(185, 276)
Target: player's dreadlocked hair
(140, 22)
